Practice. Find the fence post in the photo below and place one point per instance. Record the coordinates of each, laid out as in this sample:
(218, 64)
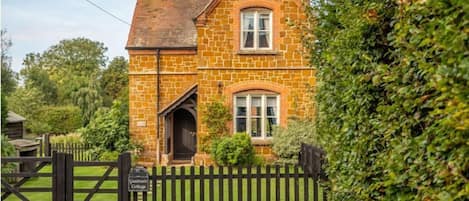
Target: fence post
(47, 148)
(124, 163)
(62, 177)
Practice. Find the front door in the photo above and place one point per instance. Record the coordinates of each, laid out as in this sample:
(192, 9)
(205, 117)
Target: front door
(184, 128)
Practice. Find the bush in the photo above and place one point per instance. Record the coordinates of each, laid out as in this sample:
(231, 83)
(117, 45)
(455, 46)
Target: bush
(392, 98)
(286, 143)
(109, 129)
(7, 149)
(58, 119)
(235, 150)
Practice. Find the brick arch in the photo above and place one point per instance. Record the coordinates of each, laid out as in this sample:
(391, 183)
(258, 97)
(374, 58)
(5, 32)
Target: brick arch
(283, 91)
(269, 4)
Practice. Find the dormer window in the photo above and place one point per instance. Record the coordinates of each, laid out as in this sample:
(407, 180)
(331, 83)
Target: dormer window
(256, 29)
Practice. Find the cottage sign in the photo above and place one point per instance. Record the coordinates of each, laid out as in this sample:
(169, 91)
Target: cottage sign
(139, 180)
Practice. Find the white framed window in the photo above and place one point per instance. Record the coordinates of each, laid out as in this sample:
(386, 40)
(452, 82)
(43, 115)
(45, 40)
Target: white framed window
(256, 29)
(256, 114)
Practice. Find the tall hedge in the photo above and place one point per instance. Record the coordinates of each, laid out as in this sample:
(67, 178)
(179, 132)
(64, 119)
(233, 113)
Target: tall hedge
(393, 97)
(58, 119)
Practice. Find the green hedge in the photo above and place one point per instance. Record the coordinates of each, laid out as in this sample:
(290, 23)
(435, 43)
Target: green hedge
(58, 119)
(393, 98)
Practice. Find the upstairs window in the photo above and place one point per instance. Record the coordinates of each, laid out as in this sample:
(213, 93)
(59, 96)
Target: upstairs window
(256, 113)
(256, 29)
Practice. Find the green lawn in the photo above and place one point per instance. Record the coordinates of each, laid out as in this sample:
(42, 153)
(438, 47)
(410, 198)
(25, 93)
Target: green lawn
(98, 171)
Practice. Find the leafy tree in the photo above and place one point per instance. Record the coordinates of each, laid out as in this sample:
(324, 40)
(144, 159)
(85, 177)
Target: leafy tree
(28, 103)
(88, 99)
(36, 77)
(70, 65)
(67, 73)
(78, 57)
(392, 98)
(9, 77)
(114, 79)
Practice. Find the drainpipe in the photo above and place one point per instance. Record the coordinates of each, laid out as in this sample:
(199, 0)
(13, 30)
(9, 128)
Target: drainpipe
(158, 154)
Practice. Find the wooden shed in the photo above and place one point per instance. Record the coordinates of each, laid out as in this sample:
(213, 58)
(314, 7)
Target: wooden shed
(15, 126)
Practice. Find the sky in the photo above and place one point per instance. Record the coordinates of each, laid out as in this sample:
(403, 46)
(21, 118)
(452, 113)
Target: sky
(35, 25)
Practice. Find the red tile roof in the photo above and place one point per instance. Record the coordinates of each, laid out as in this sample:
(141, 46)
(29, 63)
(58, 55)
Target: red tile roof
(164, 24)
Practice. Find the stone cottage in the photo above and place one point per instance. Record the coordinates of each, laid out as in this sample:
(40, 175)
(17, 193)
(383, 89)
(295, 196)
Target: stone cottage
(186, 53)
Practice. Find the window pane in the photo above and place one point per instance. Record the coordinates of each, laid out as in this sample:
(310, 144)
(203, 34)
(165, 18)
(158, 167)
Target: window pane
(256, 106)
(271, 106)
(240, 106)
(248, 21)
(264, 39)
(256, 127)
(264, 22)
(240, 125)
(248, 37)
(271, 122)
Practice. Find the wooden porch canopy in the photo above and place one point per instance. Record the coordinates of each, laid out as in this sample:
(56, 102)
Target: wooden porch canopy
(179, 101)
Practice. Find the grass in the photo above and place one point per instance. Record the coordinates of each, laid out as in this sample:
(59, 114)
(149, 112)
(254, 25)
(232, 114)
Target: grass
(98, 171)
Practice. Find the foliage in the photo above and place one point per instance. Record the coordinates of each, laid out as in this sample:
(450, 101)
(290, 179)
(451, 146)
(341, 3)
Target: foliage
(68, 73)
(9, 77)
(70, 138)
(7, 150)
(34, 76)
(28, 103)
(286, 142)
(109, 156)
(234, 150)
(60, 119)
(114, 79)
(109, 129)
(4, 108)
(393, 98)
(79, 57)
(216, 115)
(88, 98)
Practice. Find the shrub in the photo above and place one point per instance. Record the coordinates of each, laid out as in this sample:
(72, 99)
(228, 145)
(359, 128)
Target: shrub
(59, 119)
(109, 129)
(215, 117)
(286, 142)
(7, 149)
(234, 150)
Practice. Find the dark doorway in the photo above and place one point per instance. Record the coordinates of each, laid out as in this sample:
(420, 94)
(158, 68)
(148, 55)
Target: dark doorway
(185, 130)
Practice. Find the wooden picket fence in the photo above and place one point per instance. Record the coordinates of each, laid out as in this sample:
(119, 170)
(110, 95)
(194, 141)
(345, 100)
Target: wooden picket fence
(232, 184)
(80, 151)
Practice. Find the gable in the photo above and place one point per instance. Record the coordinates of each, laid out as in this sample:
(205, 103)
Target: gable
(164, 24)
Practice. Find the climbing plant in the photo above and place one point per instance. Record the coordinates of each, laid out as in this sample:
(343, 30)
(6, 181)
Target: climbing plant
(215, 117)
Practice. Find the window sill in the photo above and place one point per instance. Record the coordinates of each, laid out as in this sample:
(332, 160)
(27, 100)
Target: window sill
(258, 52)
(261, 141)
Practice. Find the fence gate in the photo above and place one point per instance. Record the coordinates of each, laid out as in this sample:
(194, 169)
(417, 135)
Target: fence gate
(63, 178)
